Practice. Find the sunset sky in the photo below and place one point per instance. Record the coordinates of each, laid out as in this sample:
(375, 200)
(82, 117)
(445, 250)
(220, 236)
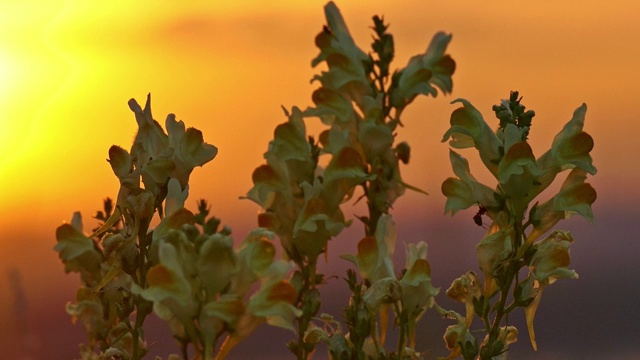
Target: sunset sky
(68, 68)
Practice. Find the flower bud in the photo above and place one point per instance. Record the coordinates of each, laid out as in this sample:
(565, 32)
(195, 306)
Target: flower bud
(403, 152)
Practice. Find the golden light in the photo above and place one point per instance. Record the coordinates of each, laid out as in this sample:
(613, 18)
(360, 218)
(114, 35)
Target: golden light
(31, 74)
(9, 75)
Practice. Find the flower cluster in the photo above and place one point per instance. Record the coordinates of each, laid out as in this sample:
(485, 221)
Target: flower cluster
(199, 284)
(512, 241)
(300, 200)
(360, 102)
(186, 270)
(301, 203)
(409, 295)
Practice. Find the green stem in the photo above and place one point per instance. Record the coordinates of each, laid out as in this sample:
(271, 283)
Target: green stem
(134, 336)
(375, 336)
(374, 212)
(304, 350)
(403, 331)
(383, 90)
(183, 349)
(507, 282)
(374, 216)
(143, 307)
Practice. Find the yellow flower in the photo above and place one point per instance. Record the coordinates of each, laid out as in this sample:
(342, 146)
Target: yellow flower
(176, 196)
(150, 140)
(465, 191)
(169, 285)
(189, 149)
(346, 73)
(493, 250)
(255, 256)
(424, 71)
(417, 291)
(548, 264)
(217, 264)
(374, 258)
(469, 129)
(466, 289)
(457, 338)
(272, 303)
(77, 251)
(575, 196)
(89, 310)
(551, 258)
(345, 171)
(571, 148)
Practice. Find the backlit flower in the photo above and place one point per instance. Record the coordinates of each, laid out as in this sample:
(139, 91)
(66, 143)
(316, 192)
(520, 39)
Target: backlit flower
(469, 129)
(465, 191)
(77, 251)
(424, 72)
(337, 48)
(549, 263)
(169, 285)
(374, 258)
(466, 289)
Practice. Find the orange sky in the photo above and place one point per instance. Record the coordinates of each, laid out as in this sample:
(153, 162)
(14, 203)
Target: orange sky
(67, 69)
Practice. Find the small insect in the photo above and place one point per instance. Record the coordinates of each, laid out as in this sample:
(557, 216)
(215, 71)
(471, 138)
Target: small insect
(477, 218)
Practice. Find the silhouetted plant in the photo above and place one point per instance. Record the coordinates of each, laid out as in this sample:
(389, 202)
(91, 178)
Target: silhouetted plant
(213, 294)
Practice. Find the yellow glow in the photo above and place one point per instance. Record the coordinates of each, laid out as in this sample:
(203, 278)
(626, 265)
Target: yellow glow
(9, 70)
(67, 69)
(29, 76)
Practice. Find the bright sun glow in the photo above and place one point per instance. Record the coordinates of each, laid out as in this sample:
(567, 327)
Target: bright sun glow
(10, 73)
(30, 74)
(7, 73)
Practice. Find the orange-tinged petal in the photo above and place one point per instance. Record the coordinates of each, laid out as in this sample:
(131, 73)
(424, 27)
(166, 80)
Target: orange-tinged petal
(530, 313)
(571, 147)
(161, 276)
(283, 291)
(290, 143)
(227, 308)
(576, 199)
(459, 195)
(330, 105)
(424, 72)
(469, 129)
(518, 158)
(174, 222)
(217, 264)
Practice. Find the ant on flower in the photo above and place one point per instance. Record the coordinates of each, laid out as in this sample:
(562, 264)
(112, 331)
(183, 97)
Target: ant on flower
(477, 218)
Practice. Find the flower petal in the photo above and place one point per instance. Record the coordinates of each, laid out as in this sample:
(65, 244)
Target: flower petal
(424, 71)
(469, 129)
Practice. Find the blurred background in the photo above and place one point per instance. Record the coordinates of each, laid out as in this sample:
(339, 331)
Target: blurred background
(68, 68)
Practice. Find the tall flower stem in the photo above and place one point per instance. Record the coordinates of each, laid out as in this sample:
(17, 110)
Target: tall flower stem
(308, 301)
(507, 281)
(143, 306)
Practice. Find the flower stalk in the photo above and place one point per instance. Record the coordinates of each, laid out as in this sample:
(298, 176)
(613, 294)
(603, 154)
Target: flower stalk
(510, 245)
